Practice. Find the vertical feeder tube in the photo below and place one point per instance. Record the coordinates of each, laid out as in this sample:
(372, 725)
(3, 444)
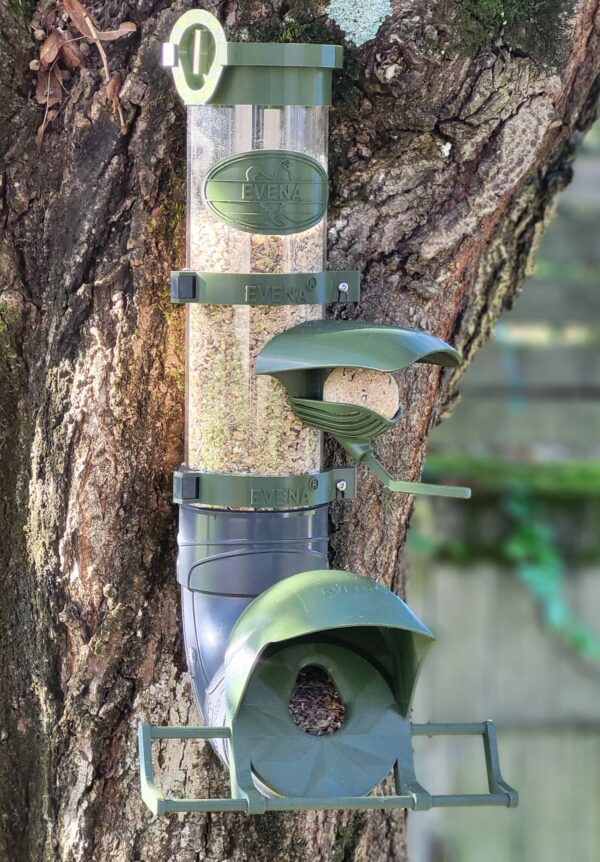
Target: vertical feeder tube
(236, 421)
(257, 197)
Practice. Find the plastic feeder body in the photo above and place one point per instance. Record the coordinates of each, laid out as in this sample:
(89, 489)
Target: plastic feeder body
(253, 502)
(257, 200)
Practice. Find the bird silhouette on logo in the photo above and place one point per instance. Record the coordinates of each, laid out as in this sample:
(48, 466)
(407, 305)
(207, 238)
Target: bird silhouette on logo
(282, 176)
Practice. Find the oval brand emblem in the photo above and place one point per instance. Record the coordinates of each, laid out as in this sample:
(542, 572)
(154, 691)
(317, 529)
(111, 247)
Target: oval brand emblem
(267, 191)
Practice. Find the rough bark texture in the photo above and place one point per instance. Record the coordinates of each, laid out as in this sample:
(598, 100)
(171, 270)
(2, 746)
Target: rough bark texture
(451, 134)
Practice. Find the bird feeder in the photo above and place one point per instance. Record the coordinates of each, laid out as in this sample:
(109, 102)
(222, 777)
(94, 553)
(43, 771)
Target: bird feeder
(259, 603)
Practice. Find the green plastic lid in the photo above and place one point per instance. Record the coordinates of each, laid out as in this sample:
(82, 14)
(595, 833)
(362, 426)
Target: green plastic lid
(208, 69)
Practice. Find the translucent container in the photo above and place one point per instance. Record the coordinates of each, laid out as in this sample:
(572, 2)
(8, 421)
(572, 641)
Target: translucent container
(237, 422)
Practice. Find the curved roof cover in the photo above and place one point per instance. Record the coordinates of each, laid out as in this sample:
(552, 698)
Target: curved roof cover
(353, 610)
(352, 344)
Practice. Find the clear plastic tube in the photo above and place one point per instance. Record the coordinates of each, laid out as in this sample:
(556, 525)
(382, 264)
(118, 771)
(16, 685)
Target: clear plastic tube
(237, 422)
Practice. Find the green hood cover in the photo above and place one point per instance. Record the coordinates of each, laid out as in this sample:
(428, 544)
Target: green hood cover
(329, 344)
(344, 608)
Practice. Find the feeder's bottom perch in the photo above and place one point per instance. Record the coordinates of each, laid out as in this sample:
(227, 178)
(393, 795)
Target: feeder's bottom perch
(409, 793)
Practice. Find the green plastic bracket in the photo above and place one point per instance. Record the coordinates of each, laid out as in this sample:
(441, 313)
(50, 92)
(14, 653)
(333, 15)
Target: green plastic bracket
(302, 357)
(408, 792)
(298, 288)
(209, 69)
(223, 490)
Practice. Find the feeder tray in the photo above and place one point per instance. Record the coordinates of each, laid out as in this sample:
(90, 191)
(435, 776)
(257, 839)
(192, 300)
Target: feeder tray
(372, 646)
(302, 358)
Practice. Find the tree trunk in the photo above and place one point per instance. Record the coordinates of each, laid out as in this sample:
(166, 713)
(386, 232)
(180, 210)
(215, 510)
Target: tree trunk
(451, 133)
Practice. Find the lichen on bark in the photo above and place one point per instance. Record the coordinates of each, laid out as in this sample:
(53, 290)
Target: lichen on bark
(359, 21)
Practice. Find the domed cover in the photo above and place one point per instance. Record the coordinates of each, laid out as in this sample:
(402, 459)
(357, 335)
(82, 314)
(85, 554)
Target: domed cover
(352, 344)
(354, 611)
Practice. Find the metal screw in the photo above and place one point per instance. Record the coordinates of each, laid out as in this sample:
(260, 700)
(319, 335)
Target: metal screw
(343, 287)
(342, 485)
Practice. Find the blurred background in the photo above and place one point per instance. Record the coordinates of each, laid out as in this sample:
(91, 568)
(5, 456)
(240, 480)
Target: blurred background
(510, 581)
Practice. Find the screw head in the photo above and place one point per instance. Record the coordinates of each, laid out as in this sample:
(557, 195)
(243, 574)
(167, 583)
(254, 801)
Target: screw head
(342, 485)
(343, 287)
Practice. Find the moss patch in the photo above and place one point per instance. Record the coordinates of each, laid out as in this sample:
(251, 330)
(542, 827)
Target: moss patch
(301, 23)
(11, 368)
(534, 28)
(22, 8)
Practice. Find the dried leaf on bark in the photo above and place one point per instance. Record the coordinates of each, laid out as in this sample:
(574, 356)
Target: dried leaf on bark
(123, 29)
(113, 88)
(46, 17)
(49, 89)
(50, 49)
(78, 14)
(71, 55)
(48, 117)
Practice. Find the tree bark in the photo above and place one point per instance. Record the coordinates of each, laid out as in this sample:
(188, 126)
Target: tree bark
(451, 134)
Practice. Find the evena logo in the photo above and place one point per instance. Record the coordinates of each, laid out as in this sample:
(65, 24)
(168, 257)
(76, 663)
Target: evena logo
(276, 497)
(267, 191)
